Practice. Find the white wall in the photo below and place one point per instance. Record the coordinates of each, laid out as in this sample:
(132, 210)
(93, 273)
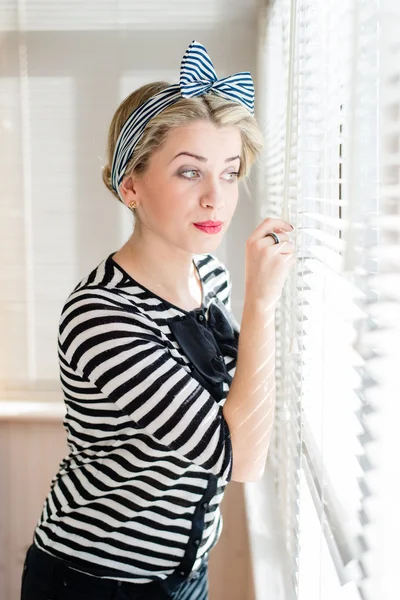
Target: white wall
(63, 72)
(61, 80)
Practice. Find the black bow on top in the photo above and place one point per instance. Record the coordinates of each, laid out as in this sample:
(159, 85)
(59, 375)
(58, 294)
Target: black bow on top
(206, 344)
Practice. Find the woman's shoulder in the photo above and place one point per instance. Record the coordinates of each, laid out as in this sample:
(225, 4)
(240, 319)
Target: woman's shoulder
(214, 271)
(210, 266)
(104, 286)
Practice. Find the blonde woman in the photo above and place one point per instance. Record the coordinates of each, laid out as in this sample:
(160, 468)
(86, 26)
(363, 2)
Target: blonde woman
(167, 401)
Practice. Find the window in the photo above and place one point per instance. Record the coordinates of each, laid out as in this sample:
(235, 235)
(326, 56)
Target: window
(330, 110)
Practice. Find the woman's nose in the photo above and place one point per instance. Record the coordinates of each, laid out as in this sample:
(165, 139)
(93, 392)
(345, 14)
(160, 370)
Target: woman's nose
(212, 193)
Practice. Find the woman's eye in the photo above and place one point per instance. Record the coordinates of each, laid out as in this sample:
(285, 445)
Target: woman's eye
(182, 173)
(232, 175)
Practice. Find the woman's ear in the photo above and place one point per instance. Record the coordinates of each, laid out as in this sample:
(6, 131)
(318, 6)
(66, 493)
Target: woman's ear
(128, 189)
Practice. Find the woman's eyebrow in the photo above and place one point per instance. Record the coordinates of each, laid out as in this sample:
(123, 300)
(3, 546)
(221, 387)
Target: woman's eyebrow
(202, 158)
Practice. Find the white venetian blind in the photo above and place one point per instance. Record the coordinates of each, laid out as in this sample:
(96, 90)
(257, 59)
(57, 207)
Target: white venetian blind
(339, 312)
(381, 340)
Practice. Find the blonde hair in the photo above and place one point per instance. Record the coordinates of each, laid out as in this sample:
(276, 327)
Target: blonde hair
(211, 107)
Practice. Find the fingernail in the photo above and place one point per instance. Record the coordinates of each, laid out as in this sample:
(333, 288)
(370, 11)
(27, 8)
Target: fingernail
(291, 226)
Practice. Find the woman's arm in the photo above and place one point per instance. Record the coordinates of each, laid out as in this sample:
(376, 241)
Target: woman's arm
(249, 408)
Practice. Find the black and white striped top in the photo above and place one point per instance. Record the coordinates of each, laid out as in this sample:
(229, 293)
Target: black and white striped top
(137, 497)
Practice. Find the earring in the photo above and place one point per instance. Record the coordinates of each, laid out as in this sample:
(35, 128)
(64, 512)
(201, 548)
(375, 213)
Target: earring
(132, 205)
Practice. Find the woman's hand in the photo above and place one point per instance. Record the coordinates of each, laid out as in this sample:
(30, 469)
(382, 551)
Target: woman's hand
(267, 263)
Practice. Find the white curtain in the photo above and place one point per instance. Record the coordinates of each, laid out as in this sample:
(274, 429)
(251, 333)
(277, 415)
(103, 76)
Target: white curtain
(330, 112)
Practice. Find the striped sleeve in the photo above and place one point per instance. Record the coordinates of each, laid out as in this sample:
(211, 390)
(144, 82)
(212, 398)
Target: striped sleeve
(225, 295)
(228, 302)
(121, 353)
(223, 281)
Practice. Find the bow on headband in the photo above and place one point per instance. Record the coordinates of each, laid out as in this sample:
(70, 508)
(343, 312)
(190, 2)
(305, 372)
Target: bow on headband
(197, 77)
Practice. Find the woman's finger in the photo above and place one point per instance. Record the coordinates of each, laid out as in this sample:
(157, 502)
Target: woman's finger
(268, 225)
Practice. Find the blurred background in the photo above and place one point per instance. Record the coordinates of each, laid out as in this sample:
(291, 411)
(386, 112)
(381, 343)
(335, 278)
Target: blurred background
(323, 523)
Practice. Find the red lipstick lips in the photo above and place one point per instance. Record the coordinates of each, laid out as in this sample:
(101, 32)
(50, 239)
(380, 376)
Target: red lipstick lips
(209, 223)
(209, 226)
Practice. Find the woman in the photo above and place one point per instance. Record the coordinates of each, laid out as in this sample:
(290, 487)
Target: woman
(149, 349)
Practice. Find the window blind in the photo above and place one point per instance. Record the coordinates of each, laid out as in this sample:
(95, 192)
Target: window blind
(380, 342)
(322, 62)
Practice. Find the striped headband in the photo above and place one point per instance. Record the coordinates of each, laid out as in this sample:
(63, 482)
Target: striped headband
(197, 76)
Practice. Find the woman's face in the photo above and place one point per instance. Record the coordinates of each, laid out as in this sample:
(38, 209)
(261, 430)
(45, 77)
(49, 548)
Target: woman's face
(178, 190)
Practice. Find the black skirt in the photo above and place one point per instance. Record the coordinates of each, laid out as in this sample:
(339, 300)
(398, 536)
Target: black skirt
(45, 577)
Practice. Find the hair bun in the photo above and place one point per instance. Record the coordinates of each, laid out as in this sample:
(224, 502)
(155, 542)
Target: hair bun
(107, 177)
